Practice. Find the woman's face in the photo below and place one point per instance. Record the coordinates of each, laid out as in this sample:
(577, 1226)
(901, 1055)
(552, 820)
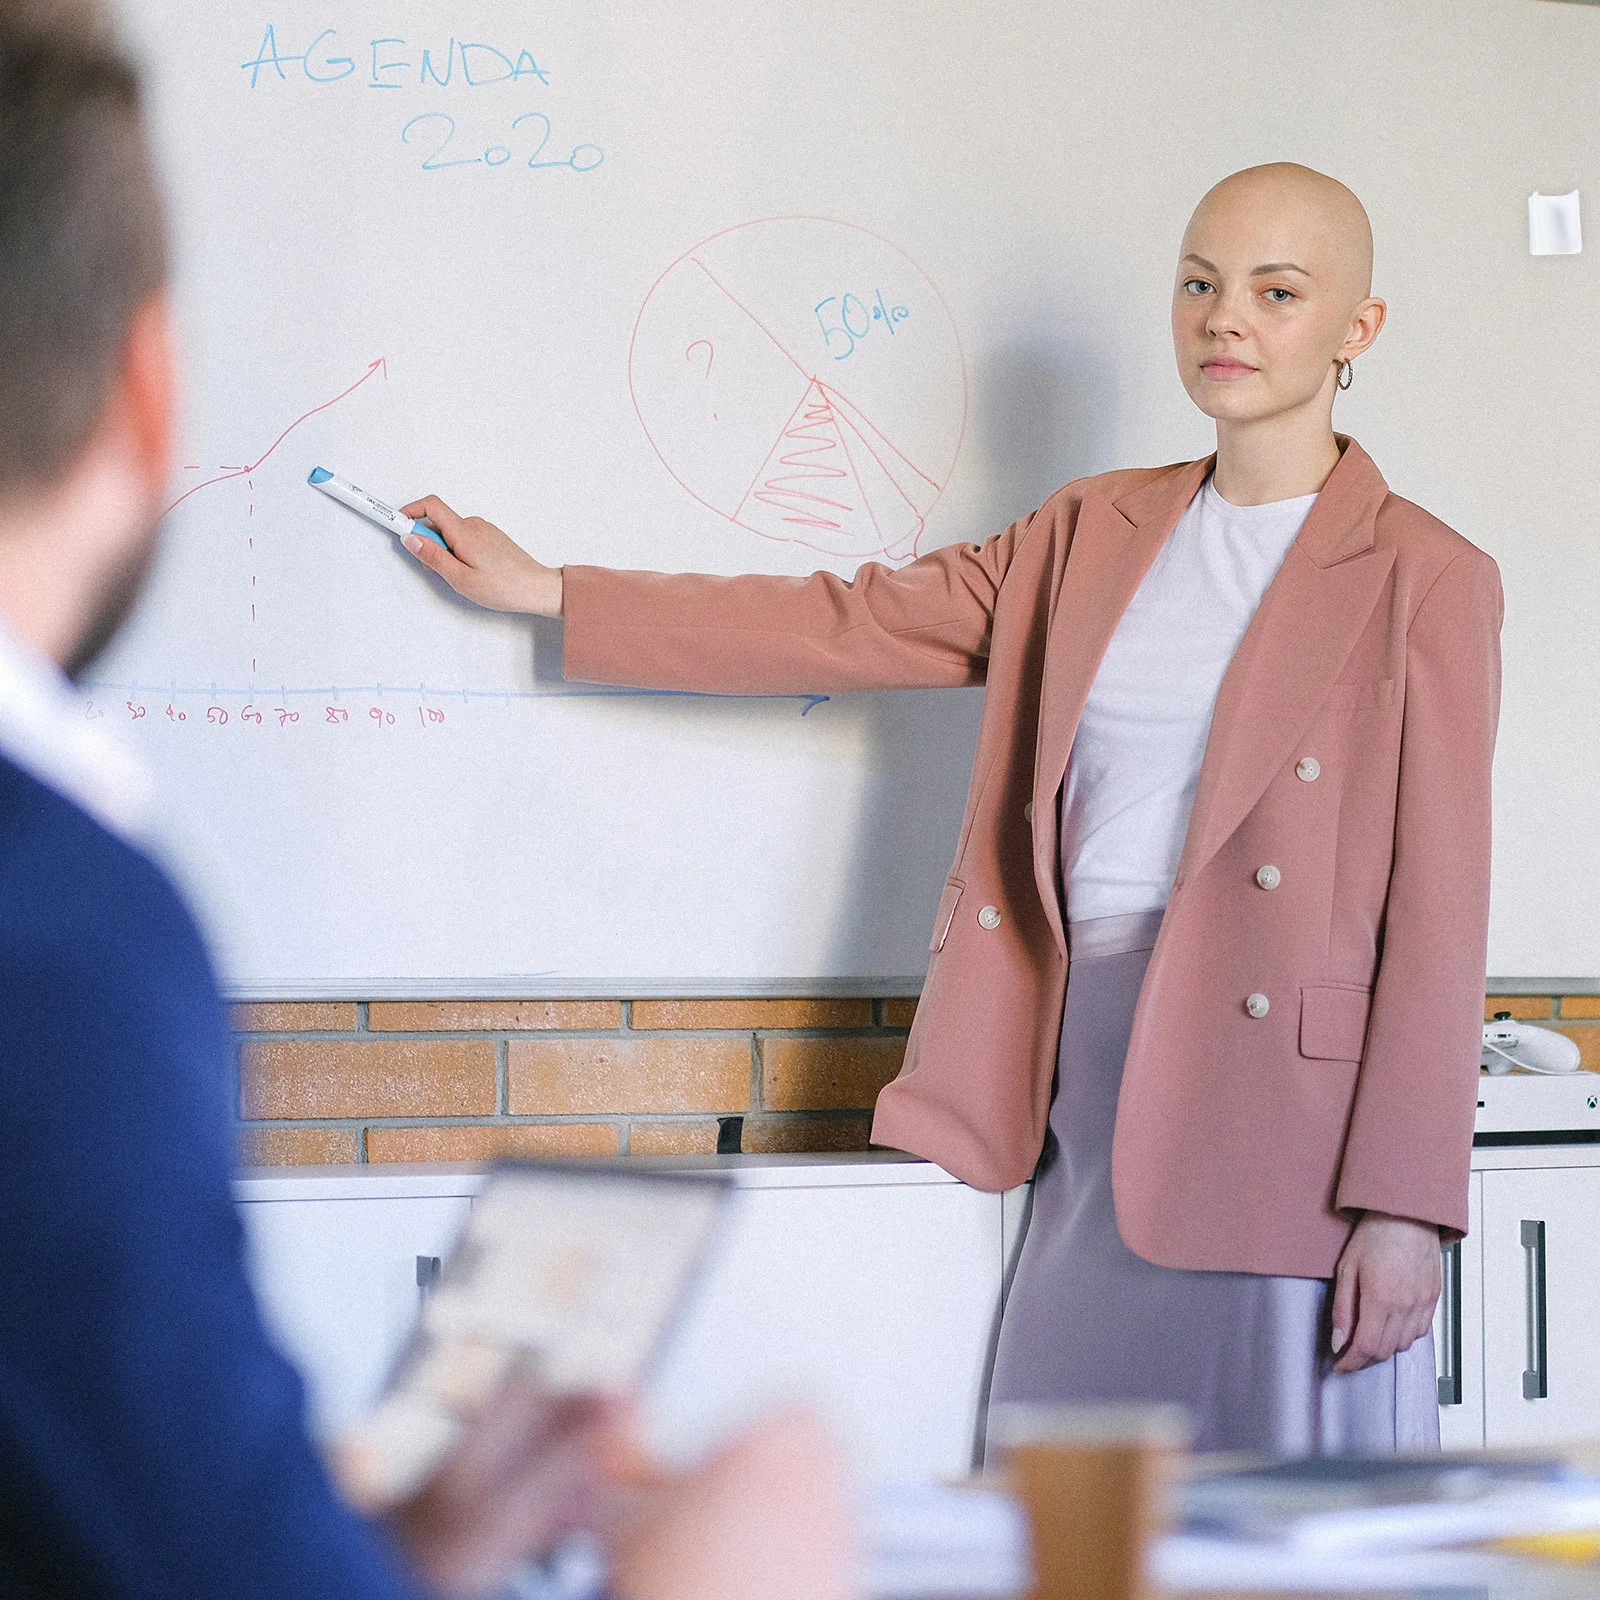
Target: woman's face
(1268, 298)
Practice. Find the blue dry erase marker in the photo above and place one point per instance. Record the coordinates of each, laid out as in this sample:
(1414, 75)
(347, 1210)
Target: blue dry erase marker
(346, 493)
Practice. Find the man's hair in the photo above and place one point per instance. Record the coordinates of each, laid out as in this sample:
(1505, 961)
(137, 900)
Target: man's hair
(82, 235)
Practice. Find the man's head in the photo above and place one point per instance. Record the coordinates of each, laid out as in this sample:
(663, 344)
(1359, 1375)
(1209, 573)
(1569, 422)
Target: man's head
(85, 367)
(1274, 289)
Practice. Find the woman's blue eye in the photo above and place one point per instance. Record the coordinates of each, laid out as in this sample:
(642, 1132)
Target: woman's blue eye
(1197, 286)
(1288, 295)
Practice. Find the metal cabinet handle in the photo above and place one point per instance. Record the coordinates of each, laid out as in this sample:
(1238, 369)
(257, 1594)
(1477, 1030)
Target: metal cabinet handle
(1450, 1304)
(1536, 1379)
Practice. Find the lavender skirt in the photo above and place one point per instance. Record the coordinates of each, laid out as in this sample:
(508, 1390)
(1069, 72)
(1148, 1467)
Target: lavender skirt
(1087, 1320)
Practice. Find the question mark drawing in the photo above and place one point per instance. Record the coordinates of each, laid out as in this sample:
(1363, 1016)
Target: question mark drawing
(688, 355)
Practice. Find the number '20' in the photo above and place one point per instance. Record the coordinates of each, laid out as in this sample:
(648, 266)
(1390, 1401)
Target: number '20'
(584, 157)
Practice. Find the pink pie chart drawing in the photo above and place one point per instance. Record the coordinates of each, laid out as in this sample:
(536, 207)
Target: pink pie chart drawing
(804, 379)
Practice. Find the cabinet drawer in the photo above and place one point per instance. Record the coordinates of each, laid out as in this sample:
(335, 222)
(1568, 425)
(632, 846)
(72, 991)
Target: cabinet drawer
(1541, 1233)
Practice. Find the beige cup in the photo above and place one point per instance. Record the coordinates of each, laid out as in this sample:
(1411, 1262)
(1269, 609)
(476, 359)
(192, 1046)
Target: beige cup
(1095, 1481)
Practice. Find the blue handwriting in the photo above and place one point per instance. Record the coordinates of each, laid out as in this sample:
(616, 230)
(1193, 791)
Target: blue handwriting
(392, 63)
(440, 137)
(853, 320)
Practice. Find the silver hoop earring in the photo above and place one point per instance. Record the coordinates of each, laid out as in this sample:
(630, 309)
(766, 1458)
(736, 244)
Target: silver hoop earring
(1347, 374)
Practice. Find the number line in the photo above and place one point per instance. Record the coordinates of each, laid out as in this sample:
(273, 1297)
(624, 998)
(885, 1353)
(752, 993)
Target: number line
(380, 365)
(267, 693)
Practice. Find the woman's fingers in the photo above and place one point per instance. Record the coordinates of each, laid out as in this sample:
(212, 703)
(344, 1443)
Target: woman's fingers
(1421, 1321)
(437, 512)
(433, 557)
(1385, 1289)
(1344, 1306)
(483, 562)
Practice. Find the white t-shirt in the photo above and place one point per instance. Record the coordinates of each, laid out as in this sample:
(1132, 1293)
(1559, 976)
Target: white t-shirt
(1136, 758)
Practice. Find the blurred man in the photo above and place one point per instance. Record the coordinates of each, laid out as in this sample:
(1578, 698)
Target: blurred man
(151, 1439)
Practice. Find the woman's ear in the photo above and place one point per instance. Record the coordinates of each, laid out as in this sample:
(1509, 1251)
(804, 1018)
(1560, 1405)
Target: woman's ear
(1365, 326)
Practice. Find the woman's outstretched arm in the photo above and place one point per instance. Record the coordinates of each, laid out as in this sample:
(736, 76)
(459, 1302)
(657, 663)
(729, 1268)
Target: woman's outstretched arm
(926, 625)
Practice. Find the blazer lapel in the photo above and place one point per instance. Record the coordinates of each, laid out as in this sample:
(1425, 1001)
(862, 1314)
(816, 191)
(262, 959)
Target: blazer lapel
(1113, 545)
(1303, 631)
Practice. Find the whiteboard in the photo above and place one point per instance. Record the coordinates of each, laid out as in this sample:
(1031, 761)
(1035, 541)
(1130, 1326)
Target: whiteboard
(613, 276)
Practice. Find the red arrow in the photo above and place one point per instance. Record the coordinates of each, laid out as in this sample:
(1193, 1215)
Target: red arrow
(380, 365)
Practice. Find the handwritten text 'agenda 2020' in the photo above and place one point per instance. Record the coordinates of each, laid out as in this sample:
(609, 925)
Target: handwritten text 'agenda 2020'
(527, 142)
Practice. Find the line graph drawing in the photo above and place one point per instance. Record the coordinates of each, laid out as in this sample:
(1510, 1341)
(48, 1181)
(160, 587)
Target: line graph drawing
(229, 474)
(221, 691)
(803, 378)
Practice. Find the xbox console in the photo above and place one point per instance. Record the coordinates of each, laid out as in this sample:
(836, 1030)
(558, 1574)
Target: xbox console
(1532, 1089)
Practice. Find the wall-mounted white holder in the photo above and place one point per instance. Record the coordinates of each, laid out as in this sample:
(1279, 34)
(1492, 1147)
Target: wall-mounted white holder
(1554, 226)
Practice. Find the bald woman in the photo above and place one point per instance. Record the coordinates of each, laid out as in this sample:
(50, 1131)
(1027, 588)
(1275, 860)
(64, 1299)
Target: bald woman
(1209, 963)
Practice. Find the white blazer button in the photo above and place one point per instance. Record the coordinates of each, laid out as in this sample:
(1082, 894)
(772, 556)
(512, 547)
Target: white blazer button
(1258, 1005)
(989, 917)
(1308, 769)
(1268, 876)
(1027, 811)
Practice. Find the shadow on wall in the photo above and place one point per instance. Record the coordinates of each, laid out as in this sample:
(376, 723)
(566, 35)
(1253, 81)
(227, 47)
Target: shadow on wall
(1045, 408)
(920, 744)
(1045, 405)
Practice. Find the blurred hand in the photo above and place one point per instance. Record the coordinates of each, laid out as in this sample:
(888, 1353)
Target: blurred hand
(482, 563)
(764, 1519)
(526, 1471)
(1385, 1289)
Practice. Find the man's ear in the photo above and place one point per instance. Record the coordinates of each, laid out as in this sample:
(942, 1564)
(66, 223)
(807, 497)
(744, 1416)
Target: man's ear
(148, 383)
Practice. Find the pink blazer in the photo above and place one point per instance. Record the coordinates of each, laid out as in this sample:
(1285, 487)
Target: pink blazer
(1350, 748)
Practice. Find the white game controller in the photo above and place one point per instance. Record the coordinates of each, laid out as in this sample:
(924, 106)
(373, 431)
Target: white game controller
(1508, 1044)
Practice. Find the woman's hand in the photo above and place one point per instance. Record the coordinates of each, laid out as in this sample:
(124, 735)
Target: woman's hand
(1385, 1289)
(482, 563)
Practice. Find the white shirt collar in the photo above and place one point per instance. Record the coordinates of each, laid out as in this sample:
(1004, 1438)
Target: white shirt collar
(45, 728)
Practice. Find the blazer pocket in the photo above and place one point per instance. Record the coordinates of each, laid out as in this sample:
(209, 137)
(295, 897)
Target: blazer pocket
(1359, 692)
(947, 912)
(1333, 1020)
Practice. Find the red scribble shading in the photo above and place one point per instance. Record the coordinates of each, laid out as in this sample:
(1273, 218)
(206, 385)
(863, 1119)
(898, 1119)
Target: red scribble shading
(228, 474)
(808, 427)
(805, 462)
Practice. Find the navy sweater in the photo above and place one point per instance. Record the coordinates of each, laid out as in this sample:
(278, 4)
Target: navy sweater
(152, 1441)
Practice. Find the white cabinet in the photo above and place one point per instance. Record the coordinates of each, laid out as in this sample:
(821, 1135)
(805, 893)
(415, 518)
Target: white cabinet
(875, 1302)
(869, 1287)
(1541, 1305)
(866, 1286)
(1520, 1364)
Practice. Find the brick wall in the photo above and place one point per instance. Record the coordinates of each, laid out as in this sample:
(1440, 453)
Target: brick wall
(470, 1080)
